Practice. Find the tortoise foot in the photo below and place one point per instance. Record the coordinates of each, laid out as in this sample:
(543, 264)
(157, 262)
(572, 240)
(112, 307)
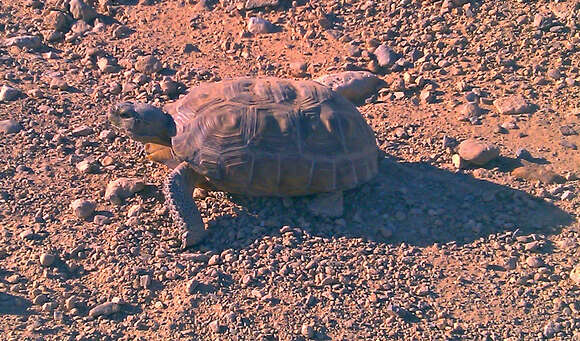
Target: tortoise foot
(160, 154)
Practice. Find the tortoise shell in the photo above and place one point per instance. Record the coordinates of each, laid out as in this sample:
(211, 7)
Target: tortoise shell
(273, 137)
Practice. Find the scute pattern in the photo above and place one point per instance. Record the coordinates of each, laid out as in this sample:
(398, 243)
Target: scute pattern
(274, 137)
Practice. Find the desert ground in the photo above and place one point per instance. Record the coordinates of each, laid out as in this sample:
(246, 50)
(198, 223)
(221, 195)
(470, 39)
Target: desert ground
(468, 232)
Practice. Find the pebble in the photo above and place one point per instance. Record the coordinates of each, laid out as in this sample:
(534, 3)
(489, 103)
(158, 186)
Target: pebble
(567, 130)
(47, 259)
(29, 42)
(104, 309)
(298, 69)
(477, 152)
(88, 166)
(192, 286)
(8, 93)
(307, 331)
(122, 188)
(355, 86)
(148, 64)
(83, 208)
(215, 327)
(550, 329)
(10, 127)
(59, 83)
(257, 25)
(513, 105)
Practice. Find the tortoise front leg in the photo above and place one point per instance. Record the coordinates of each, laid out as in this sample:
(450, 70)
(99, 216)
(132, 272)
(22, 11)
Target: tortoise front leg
(178, 191)
(161, 154)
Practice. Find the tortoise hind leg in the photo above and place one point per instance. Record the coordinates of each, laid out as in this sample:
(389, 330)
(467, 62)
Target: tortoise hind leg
(327, 204)
(178, 192)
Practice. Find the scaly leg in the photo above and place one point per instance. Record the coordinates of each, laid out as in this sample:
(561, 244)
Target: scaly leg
(178, 192)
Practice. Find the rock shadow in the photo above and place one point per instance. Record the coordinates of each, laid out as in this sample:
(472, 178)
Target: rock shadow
(413, 203)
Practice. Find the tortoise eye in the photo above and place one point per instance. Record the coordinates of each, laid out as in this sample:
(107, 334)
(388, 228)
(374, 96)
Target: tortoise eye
(125, 113)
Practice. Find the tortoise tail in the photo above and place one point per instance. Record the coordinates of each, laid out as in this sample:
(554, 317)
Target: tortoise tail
(187, 220)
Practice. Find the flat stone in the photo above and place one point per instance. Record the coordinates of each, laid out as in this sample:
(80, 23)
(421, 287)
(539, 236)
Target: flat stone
(355, 86)
(10, 127)
(252, 4)
(122, 188)
(468, 110)
(104, 309)
(477, 152)
(513, 105)
(29, 42)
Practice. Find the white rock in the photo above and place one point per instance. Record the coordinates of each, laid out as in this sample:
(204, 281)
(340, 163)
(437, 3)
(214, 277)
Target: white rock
(575, 274)
(258, 25)
(513, 105)
(47, 259)
(30, 42)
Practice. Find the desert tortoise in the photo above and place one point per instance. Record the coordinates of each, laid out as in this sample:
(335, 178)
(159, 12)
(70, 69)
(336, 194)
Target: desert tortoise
(261, 137)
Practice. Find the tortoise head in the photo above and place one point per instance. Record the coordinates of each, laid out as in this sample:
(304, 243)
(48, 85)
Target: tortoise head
(143, 122)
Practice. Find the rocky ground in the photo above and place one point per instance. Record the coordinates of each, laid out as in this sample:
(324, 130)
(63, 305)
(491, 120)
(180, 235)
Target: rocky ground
(450, 241)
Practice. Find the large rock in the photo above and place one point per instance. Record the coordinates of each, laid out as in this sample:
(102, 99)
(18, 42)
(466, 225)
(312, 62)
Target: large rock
(385, 55)
(513, 105)
(257, 25)
(29, 42)
(82, 11)
(8, 93)
(356, 86)
(122, 188)
(477, 152)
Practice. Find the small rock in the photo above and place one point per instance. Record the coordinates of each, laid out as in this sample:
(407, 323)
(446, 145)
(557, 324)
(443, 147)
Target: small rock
(298, 69)
(192, 286)
(477, 152)
(215, 327)
(534, 262)
(82, 11)
(550, 329)
(145, 281)
(47, 259)
(88, 166)
(214, 260)
(169, 87)
(71, 302)
(105, 65)
(83, 208)
(10, 127)
(59, 83)
(82, 131)
(575, 274)
(385, 55)
(58, 21)
(122, 188)
(257, 25)
(307, 331)
(104, 309)
(458, 162)
(148, 64)
(513, 105)
(468, 110)
(8, 93)
(567, 195)
(355, 86)
(29, 42)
